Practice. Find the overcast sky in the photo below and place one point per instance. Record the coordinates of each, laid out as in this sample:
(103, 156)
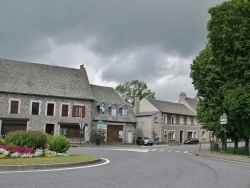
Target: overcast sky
(153, 41)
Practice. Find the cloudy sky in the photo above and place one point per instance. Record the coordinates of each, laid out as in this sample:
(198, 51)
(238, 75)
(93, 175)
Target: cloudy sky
(153, 41)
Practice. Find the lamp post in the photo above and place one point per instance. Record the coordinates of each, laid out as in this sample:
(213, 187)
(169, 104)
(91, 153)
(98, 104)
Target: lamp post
(81, 125)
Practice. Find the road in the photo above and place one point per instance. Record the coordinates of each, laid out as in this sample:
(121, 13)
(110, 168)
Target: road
(140, 167)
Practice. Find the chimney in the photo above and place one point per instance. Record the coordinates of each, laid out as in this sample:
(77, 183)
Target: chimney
(182, 96)
(82, 66)
(136, 105)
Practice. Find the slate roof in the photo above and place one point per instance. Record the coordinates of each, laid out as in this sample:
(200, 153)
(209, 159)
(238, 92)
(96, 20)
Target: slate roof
(170, 107)
(39, 79)
(109, 96)
(141, 114)
(192, 102)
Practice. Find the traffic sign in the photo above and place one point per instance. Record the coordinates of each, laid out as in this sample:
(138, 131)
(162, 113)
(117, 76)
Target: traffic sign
(223, 119)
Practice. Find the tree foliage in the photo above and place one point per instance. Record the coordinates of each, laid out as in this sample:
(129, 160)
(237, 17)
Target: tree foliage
(129, 90)
(221, 72)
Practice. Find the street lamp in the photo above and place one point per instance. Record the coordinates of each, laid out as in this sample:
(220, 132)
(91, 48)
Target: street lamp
(81, 125)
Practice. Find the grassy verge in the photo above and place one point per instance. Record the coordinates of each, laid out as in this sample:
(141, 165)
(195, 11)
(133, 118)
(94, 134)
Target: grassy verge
(47, 160)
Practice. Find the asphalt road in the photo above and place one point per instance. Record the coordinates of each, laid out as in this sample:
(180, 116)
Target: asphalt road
(140, 167)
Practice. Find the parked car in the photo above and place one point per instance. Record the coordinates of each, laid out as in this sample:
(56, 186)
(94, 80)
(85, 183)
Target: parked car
(191, 141)
(144, 141)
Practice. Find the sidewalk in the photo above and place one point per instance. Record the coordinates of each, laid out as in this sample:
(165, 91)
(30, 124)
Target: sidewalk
(220, 156)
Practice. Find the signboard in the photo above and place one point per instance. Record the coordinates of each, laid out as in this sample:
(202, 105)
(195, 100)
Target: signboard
(120, 134)
(101, 125)
(223, 119)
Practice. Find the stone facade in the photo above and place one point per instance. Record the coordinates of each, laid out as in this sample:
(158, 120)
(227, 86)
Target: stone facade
(38, 122)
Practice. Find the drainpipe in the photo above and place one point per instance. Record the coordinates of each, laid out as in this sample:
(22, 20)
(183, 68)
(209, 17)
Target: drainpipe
(136, 111)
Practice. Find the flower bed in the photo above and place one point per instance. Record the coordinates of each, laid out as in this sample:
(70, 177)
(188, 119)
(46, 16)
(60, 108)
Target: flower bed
(7, 151)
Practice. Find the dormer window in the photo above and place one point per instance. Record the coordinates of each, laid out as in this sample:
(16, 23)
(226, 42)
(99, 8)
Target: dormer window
(124, 111)
(113, 110)
(101, 108)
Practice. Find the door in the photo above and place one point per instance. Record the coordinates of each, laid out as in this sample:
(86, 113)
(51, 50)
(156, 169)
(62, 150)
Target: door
(13, 125)
(50, 129)
(113, 133)
(130, 137)
(181, 135)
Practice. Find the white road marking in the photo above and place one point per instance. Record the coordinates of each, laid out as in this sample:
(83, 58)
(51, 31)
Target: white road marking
(177, 151)
(129, 149)
(185, 151)
(59, 169)
(161, 150)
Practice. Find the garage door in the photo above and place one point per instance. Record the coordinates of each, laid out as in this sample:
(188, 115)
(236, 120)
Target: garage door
(113, 133)
(8, 126)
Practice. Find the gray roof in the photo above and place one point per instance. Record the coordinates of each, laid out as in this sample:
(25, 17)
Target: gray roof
(192, 102)
(170, 107)
(140, 114)
(109, 96)
(39, 79)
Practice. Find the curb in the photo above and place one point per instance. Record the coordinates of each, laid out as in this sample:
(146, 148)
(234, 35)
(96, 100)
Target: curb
(238, 159)
(47, 166)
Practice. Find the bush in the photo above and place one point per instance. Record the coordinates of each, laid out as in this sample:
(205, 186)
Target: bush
(1, 140)
(59, 144)
(31, 139)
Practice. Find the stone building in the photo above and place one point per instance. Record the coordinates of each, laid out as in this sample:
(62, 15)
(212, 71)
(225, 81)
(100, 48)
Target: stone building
(45, 98)
(168, 121)
(113, 117)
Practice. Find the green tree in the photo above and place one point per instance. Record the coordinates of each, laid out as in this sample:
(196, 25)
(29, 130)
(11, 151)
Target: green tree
(226, 57)
(133, 88)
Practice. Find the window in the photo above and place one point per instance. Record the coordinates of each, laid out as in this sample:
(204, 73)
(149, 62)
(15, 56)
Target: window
(171, 135)
(165, 133)
(195, 121)
(14, 105)
(156, 119)
(35, 108)
(124, 111)
(50, 109)
(181, 120)
(113, 110)
(203, 134)
(65, 110)
(173, 120)
(189, 120)
(101, 109)
(165, 119)
(78, 111)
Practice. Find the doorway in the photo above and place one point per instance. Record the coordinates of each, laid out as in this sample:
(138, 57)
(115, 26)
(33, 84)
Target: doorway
(49, 129)
(181, 136)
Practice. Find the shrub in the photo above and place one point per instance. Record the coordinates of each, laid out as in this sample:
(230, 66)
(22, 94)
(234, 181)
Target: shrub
(31, 139)
(59, 144)
(1, 140)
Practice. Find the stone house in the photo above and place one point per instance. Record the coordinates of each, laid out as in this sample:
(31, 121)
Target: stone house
(45, 98)
(113, 117)
(168, 121)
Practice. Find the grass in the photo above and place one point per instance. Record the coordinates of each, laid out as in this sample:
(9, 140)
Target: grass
(47, 160)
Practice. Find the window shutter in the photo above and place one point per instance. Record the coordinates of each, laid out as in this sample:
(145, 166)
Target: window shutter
(83, 111)
(14, 107)
(65, 109)
(73, 111)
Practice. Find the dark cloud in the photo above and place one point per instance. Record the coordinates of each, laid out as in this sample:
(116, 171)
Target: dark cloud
(132, 39)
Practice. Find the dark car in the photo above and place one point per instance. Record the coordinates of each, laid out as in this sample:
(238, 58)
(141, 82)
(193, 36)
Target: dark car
(144, 141)
(191, 141)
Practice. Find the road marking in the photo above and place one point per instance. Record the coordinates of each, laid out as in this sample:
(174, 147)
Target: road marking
(128, 149)
(161, 150)
(177, 151)
(58, 169)
(154, 149)
(185, 151)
